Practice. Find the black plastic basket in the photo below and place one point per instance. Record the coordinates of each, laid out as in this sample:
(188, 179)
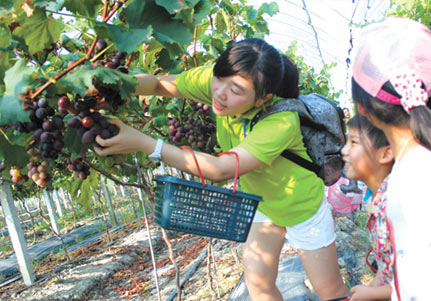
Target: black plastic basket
(207, 210)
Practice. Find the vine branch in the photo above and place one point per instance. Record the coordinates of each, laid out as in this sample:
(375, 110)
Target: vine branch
(107, 16)
(114, 179)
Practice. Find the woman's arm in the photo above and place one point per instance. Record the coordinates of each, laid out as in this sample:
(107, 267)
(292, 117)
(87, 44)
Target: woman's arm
(364, 292)
(157, 85)
(213, 168)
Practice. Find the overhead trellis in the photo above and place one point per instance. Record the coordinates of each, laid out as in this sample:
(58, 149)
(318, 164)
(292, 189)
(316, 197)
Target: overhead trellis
(325, 32)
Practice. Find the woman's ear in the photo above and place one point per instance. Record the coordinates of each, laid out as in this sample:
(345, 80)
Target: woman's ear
(386, 155)
(361, 110)
(261, 101)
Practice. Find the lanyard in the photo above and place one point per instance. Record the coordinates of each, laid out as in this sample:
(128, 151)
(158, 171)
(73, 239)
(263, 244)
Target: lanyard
(246, 121)
(368, 194)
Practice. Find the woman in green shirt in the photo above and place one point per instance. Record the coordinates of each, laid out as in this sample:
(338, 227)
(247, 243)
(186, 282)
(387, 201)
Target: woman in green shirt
(245, 78)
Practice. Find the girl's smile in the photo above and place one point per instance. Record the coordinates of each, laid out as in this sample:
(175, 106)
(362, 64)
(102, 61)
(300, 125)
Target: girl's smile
(218, 106)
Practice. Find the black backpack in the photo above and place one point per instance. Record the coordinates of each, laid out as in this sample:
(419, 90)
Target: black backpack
(323, 130)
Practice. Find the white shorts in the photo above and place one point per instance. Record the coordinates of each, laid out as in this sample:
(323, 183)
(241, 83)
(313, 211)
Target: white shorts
(316, 232)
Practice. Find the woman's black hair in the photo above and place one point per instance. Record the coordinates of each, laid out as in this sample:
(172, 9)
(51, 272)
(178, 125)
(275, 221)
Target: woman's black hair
(419, 118)
(368, 133)
(271, 71)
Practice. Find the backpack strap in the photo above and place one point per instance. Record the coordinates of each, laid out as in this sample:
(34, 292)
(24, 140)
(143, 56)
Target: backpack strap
(311, 166)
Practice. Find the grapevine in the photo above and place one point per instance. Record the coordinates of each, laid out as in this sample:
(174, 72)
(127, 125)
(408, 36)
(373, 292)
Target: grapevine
(69, 69)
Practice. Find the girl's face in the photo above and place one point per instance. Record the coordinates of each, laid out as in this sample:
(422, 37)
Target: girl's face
(232, 95)
(359, 164)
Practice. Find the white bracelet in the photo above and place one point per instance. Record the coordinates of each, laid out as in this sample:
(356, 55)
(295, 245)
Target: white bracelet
(156, 156)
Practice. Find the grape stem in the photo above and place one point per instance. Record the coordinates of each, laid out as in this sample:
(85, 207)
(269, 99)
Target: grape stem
(64, 72)
(117, 181)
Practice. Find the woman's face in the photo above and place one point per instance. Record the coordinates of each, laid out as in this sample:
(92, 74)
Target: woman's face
(359, 164)
(232, 95)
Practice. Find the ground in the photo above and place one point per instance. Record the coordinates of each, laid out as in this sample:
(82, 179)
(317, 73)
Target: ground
(123, 269)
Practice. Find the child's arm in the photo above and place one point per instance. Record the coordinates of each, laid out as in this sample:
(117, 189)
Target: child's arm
(364, 292)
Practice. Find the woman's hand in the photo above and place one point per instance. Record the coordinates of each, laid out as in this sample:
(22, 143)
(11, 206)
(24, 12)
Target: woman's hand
(128, 140)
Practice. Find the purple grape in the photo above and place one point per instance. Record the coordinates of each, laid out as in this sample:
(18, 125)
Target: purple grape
(87, 137)
(41, 113)
(48, 125)
(46, 137)
(42, 103)
(74, 123)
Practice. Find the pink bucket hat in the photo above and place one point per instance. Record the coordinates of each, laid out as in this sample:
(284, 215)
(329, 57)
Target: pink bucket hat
(396, 50)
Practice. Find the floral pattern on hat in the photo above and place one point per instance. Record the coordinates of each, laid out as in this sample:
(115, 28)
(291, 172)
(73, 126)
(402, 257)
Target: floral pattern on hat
(409, 86)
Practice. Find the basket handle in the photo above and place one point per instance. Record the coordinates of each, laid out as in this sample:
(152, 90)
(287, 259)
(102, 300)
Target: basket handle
(196, 161)
(236, 168)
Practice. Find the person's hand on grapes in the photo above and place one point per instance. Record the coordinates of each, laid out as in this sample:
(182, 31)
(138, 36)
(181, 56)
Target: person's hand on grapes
(128, 140)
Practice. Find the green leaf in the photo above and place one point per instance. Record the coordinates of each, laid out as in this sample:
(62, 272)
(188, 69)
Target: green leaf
(5, 7)
(6, 61)
(202, 11)
(85, 8)
(13, 155)
(5, 37)
(220, 21)
(73, 142)
(39, 31)
(50, 5)
(81, 80)
(172, 6)
(125, 82)
(128, 39)
(171, 106)
(17, 80)
(87, 186)
(269, 8)
(167, 30)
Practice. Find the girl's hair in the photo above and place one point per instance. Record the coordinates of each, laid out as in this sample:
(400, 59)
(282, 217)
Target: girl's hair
(419, 118)
(271, 71)
(371, 137)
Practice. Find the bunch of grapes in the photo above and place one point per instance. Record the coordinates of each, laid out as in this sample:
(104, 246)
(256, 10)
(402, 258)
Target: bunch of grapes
(110, 93)
(16, 175)
(78, 166)
(47, 127)
(90, 122)
(38, 170)
(197, 131)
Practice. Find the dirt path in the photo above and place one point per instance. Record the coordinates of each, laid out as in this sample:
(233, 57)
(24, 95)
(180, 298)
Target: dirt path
(123, 269)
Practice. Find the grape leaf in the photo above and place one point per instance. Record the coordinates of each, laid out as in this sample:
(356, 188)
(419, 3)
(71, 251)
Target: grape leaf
(269, 8)
(128, 39)
(39, 31)
(87, 186)
(73, 142)
(50, 5)
(81, 80)
(5, 7)
(5, 38)
(17, 80)
(125, 82)
(202, 11)
(174, 6)
(5, 63)
(141, 14)
(13, 155)
(86, 8)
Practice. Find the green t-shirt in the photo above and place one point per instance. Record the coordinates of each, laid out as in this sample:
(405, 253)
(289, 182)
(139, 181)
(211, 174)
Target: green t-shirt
(291, 194)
